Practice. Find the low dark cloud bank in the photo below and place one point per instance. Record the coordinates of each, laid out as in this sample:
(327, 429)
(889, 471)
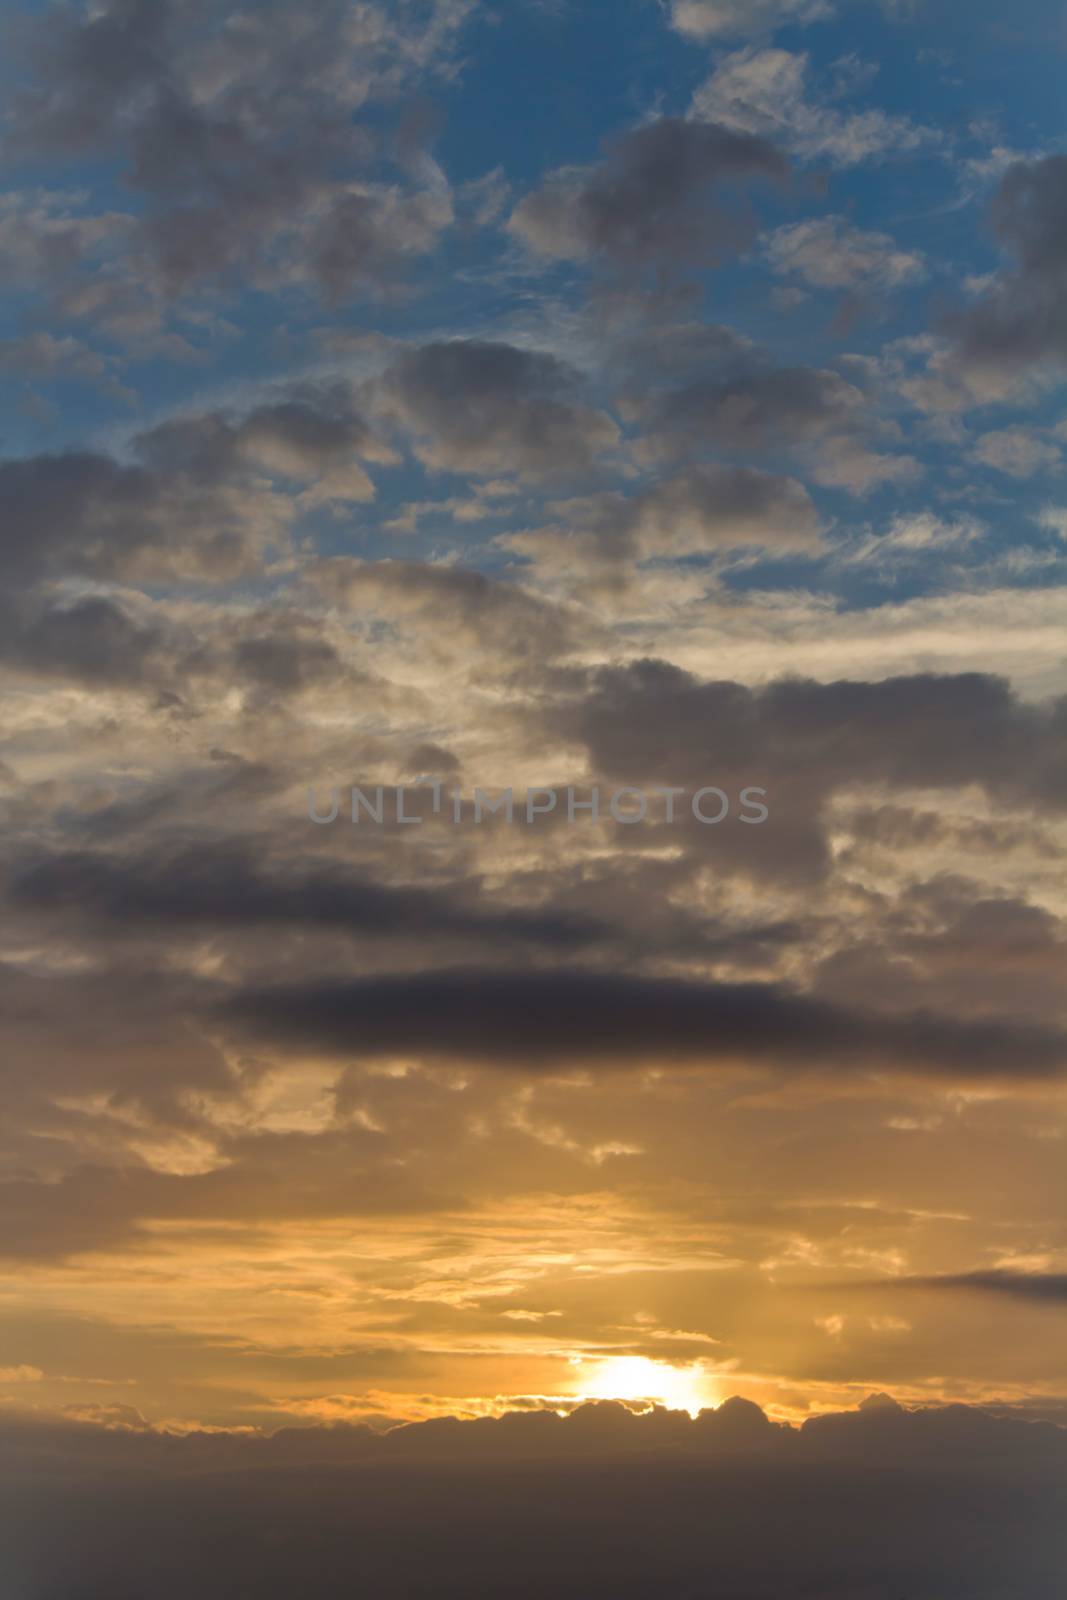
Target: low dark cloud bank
(1042, 1288)
(547, 1019)
(949, 1504)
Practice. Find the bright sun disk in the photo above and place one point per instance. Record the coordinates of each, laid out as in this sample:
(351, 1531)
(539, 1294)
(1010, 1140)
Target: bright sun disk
(639, 1378)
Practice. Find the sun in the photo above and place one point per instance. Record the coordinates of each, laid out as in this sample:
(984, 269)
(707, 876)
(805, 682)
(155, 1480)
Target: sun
(636, 1378)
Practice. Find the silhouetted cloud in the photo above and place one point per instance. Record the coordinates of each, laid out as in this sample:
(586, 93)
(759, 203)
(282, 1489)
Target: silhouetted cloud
(227, 883)
(1043, 1288)
(934, 1504)
(536, 1020)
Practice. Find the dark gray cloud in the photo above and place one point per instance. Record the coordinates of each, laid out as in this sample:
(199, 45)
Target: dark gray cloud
(124, 1031)
(1021, 320)
(268, 655)
(948, 1504)
(198, 498)
(485, 407)
(93, 640)
(653, 349)
(812, 413)
(665, 195)
(652, 722)
(89, 514)
(238, 125)
(1042, 1288)
(230, 884)
(537, 1020)
(308, 432)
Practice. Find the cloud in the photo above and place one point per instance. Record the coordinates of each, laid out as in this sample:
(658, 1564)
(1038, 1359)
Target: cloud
(1017, 451)
(1020, 323)
(198, 501)
(922, 730)
(828, 253)
(954, 1504)
(1041, 1288)
(93, 640)
(650, 723)
(87, 513)
(312, 433)
(714, 19)
(1054, 518)
(605, 537)
(707, 508)
(813, 414)
(910, 538)
(228, 883)
(238, 126)
(456, 610)
(373, 1122)
(765, 93)
(45, 238)
(488, 408)
(254, 657)
(655, 200)
(531, 1021)
(42, 355)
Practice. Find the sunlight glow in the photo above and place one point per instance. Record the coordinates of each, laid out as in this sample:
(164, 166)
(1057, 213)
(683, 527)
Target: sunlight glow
(636, 1378)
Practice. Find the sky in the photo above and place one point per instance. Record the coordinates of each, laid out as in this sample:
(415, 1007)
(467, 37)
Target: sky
(557, 397)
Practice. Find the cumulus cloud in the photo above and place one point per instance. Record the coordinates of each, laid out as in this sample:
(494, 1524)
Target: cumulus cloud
(121, 641)
(238, 125)
(1019, 323)
(35, 355)
(1019, 452)
(713, 19)
(828, 253)
(46, 237)
(488, 408)
(701, 511)
(924, 729)
(196, 501)
(656, 199)
(813, 414)
(765, 93)
(92, 514)
(650, 723)
(451, 608)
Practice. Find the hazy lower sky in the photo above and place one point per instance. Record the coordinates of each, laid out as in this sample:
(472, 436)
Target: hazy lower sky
(542, 394)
